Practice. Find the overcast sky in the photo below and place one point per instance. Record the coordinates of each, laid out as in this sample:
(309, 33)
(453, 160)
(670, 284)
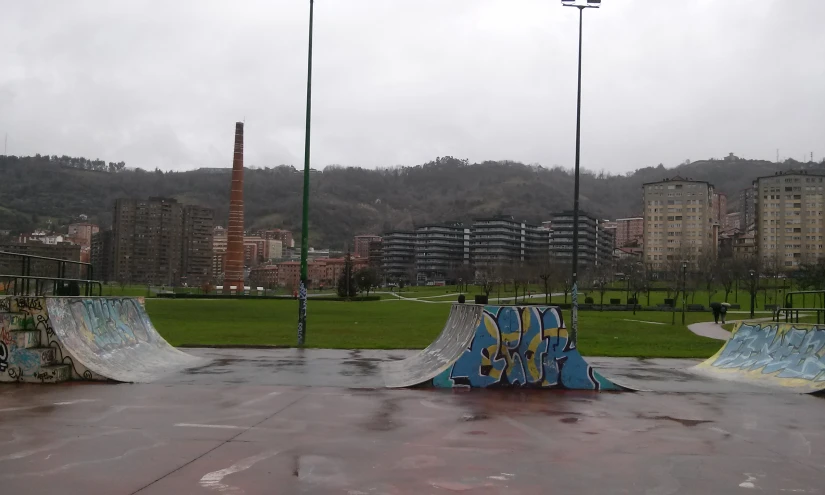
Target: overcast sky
(400, 82)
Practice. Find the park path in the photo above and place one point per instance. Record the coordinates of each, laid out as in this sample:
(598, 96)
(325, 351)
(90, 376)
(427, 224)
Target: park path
(425, 299)
(711, 330)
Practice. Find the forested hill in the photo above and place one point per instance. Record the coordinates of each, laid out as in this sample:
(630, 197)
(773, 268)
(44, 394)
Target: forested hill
(348, 201)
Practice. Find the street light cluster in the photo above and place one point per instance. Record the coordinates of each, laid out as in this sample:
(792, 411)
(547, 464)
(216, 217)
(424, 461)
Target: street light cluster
(581, 5)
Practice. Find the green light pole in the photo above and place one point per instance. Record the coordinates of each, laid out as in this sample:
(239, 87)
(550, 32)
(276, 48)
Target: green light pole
(302, 292)
(574, 312)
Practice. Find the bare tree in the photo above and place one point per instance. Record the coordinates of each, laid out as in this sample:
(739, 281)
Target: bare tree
(566, 287)
(602, 276)
(486, 281)
(518, 275)
(708, 273)
(751, 270)
(547, 271)
(727, 275)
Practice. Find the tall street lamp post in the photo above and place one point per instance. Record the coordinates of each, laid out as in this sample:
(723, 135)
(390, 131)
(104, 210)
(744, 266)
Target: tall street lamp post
(302, 293)
(574, 320)
(684, 286)
(752, 288)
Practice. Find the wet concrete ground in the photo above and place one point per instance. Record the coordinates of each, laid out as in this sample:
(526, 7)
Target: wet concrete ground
(235, 428)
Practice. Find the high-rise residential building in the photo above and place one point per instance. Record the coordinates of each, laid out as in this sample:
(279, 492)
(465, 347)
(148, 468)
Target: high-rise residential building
(595, 244)
(789, 218)
(258, 250)
(440, 250)
(610, 226)
(147, 242)
(501, 240)
(630, 232)
(719, 208)
(159, 241)
(361, 245)
(747, 208)
(399, 255)
(234, 265)
(285, 236)
(219, 243)
(679, 223)
(102, 255)
(81, 234)
(375, 256)
(198, 228)
(733, 221)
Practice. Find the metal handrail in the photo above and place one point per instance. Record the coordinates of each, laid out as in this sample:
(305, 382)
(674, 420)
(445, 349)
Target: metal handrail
(35, 257)
(789, 296)
(791, 312)
(38, 287)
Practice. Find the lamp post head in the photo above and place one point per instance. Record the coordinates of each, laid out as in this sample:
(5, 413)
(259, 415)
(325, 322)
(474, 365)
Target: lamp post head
(684, 265)
(582, 4)
(752, 273)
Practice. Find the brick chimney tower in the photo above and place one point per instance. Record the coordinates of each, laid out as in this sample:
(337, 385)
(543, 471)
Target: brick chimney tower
(233, 271)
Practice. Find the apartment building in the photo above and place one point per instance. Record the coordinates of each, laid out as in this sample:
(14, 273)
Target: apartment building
(678, 221)
(630, 232)
(196, 254)
(375, 253)
(398, 253)
(595, 243)
(159, 241)
(501, 240)
(361, 245)
(439, 249)
(102, 255)
(747, 208)
(719, 209)
(789, 218)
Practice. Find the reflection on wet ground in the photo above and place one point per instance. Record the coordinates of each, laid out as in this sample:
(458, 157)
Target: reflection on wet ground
(235, 427)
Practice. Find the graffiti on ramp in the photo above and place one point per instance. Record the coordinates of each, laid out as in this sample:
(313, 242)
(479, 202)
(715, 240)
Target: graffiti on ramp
(501, 347)
(114, 338)
(779, 354)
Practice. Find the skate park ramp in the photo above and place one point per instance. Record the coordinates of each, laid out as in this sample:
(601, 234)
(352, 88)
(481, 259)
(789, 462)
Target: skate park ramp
(499, 346)
(114, 339)
(784, 355)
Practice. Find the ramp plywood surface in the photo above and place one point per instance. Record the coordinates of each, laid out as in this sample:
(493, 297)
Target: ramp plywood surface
(114, 338)
(785, 355)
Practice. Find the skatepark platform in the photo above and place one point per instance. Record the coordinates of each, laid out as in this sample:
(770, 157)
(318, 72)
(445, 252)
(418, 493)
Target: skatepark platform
(499, 346)
(784, 355)
(54, 339)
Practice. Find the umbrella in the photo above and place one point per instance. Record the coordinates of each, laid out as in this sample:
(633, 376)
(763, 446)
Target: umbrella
(727, 304)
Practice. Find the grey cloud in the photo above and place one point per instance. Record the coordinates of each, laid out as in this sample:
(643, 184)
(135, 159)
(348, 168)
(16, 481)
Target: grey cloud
(160, 84)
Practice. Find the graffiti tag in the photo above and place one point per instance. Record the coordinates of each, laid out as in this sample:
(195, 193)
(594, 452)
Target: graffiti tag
(5, 305)
(45, 376)
(29, 303)
(773, 350)
(522, 347)
(4, 357)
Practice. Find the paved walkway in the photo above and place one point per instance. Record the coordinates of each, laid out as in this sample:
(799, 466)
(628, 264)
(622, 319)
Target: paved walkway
(713, 331)
(710, 330)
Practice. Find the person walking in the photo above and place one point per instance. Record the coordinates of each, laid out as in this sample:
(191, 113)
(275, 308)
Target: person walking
(717, 312)
(723, 311)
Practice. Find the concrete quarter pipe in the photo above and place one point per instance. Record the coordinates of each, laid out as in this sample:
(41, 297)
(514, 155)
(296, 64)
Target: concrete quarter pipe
(53, 339)
(787, 355)
(499, 346)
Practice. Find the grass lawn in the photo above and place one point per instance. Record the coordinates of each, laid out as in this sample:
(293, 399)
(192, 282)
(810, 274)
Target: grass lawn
(403, 325)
